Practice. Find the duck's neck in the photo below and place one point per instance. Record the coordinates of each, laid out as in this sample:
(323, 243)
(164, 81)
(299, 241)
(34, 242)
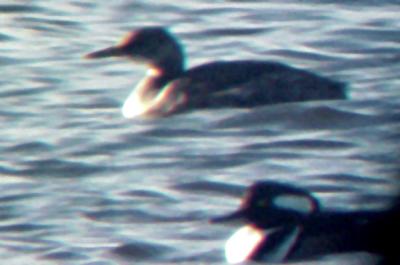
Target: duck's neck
(277, 244)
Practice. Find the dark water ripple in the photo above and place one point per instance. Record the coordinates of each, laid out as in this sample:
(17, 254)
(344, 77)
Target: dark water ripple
(303, 118)
(141, 251)
(9, 8)
(81, 185)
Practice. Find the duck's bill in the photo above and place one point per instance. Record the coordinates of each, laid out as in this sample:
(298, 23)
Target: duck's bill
(108, 52)
(237, 215)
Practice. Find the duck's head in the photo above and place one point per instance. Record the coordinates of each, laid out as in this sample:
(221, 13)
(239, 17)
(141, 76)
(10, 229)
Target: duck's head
(267, 205)
(274, 214)
(151, 45)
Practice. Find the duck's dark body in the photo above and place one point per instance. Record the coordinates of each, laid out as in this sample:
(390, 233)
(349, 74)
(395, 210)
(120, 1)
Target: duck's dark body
(329, 233)
(338, 232)
(241, 84)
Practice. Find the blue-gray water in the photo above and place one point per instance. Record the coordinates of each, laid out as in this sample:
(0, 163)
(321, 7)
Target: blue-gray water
(79, 184)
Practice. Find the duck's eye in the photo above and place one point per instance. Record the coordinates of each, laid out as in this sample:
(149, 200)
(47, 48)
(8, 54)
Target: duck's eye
(297, 203)
(262, 203)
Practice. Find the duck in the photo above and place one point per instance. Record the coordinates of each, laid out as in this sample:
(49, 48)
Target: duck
(285, 223)
(168, 88)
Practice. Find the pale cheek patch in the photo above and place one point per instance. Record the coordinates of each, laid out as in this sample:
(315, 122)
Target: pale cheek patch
(128, 38)
(295, 203)
(242, 243)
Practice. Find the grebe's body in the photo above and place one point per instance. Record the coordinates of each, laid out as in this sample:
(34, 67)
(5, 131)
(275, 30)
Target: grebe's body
(169, 88)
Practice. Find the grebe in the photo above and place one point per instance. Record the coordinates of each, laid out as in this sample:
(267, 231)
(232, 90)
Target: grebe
(168, 88)
(285, 223)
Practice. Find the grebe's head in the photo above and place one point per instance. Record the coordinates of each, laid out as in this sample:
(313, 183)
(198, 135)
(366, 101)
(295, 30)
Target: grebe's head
(152, 45)
(269, 204)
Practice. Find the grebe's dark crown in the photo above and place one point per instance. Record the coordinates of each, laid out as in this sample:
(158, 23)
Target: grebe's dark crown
(155, 46)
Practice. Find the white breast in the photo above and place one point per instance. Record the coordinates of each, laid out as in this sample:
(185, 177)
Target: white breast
(242, 243)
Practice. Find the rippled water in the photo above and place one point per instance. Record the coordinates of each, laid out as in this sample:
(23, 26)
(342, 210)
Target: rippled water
(79, 184)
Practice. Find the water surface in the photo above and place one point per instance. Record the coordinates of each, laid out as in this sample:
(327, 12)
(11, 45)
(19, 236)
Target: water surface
(79, 184)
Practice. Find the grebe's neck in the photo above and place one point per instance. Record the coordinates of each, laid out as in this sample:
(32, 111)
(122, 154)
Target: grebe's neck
(157, 77)
(169, 64)
(169, 61)
(150, 91)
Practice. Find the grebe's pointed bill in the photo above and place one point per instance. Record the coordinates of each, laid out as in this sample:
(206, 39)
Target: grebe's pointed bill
(107, 52)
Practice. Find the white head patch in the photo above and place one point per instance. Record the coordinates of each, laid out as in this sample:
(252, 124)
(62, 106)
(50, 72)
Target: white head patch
(298, 203)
